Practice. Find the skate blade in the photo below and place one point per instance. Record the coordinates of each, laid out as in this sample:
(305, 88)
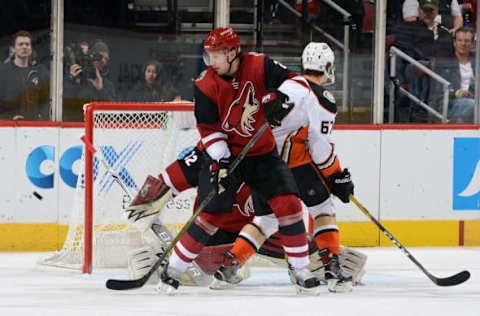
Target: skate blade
(166, 289)
(337, 286)
(314, 291)
(221, 285)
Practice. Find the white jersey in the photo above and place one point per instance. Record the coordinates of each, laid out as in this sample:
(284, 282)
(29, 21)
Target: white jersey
(305, 133)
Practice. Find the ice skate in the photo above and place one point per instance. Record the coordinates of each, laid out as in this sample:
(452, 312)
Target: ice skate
(338, 279)
(305, 282)
(169, 280)
(226, 276)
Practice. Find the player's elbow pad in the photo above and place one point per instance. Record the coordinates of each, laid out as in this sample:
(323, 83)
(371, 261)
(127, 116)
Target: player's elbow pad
(218, 150)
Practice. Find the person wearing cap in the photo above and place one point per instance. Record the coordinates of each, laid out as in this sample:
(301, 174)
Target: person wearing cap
(449, 12)
(426, 41)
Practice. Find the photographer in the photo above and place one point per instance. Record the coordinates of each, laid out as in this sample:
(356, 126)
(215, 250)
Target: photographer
(87, 80)
(24, 87)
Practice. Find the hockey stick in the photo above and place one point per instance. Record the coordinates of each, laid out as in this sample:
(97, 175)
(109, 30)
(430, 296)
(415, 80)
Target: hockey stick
(195, 272)
(448, 281)
(112, 173)
(133, 284)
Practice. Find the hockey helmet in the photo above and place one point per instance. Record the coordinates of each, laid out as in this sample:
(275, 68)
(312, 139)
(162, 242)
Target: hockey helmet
(221, 39)
(319, 57)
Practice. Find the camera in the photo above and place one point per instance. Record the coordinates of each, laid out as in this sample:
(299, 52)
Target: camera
(75, 55)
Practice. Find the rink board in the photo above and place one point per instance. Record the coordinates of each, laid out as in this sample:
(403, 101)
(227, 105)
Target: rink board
(420, 181)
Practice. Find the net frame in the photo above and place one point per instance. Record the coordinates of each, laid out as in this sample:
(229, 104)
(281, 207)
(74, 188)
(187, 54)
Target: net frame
(90, 110)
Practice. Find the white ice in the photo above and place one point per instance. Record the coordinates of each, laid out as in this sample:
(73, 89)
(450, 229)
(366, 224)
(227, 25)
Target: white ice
(393, 286)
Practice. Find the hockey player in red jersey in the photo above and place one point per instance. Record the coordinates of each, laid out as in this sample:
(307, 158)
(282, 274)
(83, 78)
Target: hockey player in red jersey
(304, 142)
(182, 175)
(229, 110)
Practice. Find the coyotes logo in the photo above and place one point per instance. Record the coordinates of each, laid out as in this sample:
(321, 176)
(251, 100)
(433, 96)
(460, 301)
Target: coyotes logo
(247, 208)
(240, 113)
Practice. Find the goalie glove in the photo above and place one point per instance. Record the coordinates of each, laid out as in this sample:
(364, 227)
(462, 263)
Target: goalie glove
(146, 206)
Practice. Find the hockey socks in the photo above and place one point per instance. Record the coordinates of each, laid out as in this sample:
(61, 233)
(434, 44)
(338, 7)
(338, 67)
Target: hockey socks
(288, 210)
(243, 250)
(327, 236)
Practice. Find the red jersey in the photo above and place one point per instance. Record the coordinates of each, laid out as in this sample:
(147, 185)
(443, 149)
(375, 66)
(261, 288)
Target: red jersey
(242, 211)
(229, 109)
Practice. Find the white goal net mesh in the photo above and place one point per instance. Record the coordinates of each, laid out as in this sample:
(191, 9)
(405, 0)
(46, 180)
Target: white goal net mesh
(134, 144)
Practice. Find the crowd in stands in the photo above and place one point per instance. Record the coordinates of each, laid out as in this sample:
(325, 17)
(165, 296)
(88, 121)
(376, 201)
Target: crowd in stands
(439, 34)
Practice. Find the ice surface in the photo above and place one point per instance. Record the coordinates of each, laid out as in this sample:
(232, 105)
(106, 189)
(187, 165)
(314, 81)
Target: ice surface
(393, 286)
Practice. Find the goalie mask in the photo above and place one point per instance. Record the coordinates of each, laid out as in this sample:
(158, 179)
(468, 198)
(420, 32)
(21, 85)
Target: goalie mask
(319, 57)
(221, 41)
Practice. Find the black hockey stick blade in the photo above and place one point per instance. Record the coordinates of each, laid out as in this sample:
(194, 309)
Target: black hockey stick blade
(451, 280)
(120, 285)
(113, 284)
(448, 281)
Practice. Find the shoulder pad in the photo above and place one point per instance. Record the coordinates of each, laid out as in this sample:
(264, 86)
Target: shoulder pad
(329, 96)
(254, 54)
(202, 75)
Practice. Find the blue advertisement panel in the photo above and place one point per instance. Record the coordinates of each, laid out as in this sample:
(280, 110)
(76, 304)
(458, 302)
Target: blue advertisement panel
(466, 173)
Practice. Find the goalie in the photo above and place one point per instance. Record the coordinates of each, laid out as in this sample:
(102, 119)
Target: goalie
(181, 175)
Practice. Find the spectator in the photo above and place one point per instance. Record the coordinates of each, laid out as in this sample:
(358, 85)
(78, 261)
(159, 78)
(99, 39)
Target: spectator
(424, 40)
(449, 13)
(311, 7)
(469, 10)
(24, 88)
(88, 80)
(460, 72)
(151, 88)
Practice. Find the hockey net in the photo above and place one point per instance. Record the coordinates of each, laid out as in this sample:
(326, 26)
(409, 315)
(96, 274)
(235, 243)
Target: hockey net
(135, 140)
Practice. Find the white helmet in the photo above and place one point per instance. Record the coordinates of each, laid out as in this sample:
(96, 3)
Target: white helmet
(316, 56)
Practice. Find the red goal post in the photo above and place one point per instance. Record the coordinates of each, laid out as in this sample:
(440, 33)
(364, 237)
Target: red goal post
(90, 124)
(134, 140)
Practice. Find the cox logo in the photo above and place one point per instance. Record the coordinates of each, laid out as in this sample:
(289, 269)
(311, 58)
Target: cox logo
(466, 173)
(40, 166)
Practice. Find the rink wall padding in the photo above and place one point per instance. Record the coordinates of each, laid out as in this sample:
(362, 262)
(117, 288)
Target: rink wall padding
(421, 181)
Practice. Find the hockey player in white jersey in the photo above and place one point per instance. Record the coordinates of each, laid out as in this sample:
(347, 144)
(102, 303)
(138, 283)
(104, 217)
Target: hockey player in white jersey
(304, 141)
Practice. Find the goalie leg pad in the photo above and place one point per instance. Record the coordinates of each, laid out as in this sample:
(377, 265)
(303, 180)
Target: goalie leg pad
(147, 204)
(140, 261)
(156, 241)
(353, 261)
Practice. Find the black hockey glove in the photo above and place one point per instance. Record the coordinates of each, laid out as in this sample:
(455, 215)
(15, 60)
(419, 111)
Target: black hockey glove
(341, 185)
(219, 174)
(276, 107)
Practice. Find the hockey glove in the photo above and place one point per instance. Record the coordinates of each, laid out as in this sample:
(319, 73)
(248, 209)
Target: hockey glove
(219, 174)
(341, 185)
(276, 107)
